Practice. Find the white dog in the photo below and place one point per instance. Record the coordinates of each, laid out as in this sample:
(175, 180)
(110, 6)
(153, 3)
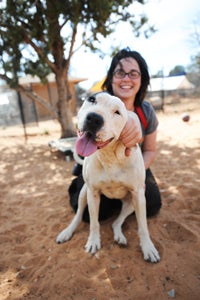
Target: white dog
(106, 170)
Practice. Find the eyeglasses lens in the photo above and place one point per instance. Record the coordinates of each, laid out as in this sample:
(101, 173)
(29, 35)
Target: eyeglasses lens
(121, 74)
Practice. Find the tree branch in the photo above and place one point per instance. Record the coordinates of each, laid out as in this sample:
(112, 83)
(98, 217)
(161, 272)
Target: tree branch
(73, 39)
(39, 52)
(35, 97)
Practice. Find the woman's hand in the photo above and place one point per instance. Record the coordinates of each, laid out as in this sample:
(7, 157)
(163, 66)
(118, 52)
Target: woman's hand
(132, 132)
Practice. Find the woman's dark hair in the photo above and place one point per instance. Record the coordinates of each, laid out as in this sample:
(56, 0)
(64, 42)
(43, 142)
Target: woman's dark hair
(145, 78)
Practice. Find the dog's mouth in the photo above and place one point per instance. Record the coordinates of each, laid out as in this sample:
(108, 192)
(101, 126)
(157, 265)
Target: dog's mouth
(87, 145)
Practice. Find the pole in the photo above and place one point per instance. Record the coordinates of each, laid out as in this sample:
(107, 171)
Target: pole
(22, 115)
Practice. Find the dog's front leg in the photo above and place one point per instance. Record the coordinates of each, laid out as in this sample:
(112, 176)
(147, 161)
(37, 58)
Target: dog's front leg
(149, 251)
(67, 233)
(127, 209)
(93, 243)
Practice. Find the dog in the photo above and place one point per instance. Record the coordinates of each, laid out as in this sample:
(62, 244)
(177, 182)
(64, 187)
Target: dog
(107, 170)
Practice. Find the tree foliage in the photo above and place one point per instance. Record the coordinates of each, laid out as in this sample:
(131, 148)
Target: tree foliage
(194, 71)
(38, 37)
(177, 70)
(194, 67)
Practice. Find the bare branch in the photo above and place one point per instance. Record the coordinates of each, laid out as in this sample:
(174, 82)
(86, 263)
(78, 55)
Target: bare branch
(40, 52)
(73, 39)
(35, 97)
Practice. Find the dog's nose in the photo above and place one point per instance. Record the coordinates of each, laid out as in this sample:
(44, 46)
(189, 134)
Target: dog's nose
(93, 122)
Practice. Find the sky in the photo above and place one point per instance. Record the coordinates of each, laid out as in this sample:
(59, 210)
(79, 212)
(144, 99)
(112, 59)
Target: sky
(170, 46)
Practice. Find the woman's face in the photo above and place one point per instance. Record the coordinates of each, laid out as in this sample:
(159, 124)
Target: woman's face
(126, 88)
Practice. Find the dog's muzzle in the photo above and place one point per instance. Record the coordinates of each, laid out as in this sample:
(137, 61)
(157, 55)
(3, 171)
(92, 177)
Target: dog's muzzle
(87, 142)
(93, 123)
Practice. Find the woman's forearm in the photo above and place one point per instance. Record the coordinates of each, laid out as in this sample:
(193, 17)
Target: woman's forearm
(148, 157)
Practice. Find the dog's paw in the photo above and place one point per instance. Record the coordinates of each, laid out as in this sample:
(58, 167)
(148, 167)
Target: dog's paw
(64, 236)
(150, 252)
(120, 238)
(93, 244)
(118, 235)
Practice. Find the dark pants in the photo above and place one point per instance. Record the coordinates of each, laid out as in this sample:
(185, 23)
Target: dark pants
(152, 194)
(109, 206)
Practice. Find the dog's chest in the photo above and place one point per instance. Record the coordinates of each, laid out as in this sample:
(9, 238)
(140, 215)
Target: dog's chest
(113, 176)
(113, 189)
(112, 182)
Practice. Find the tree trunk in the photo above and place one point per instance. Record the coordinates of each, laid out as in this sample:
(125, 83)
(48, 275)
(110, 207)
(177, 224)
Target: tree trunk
(64, 107)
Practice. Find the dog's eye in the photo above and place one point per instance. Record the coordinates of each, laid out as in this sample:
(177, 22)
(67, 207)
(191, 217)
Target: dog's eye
(92, 99)
(117, 112)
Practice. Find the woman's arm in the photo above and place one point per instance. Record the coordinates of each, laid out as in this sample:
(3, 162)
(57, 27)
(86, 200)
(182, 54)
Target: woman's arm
(149, 149)
(132, 132)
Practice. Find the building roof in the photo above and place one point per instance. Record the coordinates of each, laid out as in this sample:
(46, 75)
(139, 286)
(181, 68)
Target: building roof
(97, 86)
(170, 83)
(51, 78)
(158, 84)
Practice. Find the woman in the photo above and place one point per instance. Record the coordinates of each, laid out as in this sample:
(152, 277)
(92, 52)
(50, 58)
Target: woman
(128, 79)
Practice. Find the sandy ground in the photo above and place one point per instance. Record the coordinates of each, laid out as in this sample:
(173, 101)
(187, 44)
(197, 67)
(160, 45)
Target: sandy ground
(34, 208)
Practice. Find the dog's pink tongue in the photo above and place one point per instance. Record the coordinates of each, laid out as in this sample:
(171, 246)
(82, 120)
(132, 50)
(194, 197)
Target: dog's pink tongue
(85, 146)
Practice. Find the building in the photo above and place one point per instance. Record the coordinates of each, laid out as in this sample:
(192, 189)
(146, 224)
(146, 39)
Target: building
(165, 86)
(10, 100)
(160, 88)
(170, 85)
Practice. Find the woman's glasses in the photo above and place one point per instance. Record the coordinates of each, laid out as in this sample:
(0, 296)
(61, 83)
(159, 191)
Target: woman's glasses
(120, 74)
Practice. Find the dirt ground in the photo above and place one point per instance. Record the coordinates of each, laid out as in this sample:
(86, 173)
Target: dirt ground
(34, 208)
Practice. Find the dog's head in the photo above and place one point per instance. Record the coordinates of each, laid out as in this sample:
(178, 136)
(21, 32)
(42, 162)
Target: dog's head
(101, 119)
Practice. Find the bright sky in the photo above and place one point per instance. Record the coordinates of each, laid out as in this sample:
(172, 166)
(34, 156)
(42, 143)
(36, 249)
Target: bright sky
(170, 46)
